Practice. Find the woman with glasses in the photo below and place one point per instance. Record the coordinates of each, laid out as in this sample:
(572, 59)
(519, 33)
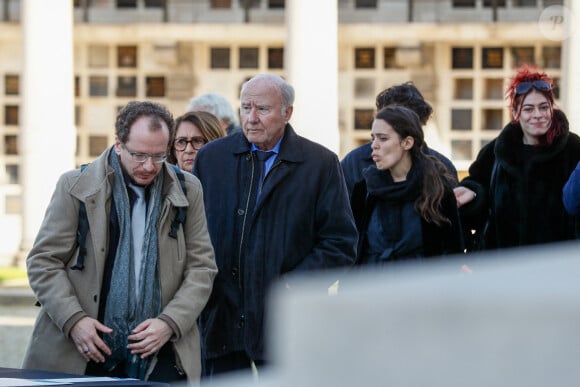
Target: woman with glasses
(192, 131)
(513, 194)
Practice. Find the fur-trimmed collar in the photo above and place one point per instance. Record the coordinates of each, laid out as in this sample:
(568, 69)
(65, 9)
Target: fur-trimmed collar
(509, 147)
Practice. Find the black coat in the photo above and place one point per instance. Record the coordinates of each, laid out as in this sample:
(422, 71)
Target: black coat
(437, 240)
(525, 202)
(302, 222)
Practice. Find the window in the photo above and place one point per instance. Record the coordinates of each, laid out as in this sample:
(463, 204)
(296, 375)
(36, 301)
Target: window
(12, 205)
(462, 58)
(461, 119)
(492, 119)
(276, 4)
(489, 3)
(126, 3)
(389, 57)
(364, 88)
(364, 58)
(127, 56)
(522, 55)
(11, 84)
(78, 117)
(97, 144)
(77, 86)
(11, 115)
(248, 57)
(463, 88)
(461, 150)
(98, 86)
(220, 58)
(525, 3)
(275, 58)
(363, 118)
(216, 4)
(492, 57)
(463, 3)
(556, 88)
(154, 3)
(98, 56)
(126, 86)
(10, 145)
(551, 56)
(365, 4)
(493, 89)
(12, 174)
(155, 86)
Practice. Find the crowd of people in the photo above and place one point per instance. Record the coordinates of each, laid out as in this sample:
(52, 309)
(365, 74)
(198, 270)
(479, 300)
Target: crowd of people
(180, 255)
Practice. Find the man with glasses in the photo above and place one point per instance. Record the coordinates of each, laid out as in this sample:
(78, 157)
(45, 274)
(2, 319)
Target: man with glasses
(128, 309)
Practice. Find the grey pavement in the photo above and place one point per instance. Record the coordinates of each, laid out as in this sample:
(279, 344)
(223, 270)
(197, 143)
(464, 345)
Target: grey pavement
(17, 315)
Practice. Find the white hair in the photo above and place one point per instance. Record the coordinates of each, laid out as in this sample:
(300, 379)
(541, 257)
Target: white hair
(215, 104)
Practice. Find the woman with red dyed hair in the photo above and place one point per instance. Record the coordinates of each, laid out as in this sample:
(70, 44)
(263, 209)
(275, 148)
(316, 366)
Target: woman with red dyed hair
(513, 194)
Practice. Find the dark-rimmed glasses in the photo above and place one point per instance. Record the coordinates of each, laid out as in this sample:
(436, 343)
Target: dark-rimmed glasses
(196, 142)
(139, 157)
(524, 87)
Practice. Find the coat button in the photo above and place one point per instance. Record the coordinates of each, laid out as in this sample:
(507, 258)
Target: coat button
(240, 212)
(95, 298)
(242, 321)
(235, 272)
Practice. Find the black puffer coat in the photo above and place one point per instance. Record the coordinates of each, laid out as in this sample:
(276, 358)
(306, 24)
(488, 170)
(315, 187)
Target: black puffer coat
(524, 204)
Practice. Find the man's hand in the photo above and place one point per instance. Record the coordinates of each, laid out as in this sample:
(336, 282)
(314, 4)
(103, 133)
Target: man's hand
(149, 336)
(85, 335)
(463, 195)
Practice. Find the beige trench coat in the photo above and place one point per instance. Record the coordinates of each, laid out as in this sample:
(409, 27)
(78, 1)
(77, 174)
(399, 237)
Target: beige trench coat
(186, 266)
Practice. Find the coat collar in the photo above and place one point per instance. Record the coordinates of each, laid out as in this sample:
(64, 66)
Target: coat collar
(290, 149)
(509, 147)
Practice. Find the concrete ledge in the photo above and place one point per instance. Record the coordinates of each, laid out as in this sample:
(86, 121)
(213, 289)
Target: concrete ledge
(16, 296)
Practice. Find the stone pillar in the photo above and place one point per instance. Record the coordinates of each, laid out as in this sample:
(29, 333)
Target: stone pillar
(570, 80)
(311, 61)
(47, 142)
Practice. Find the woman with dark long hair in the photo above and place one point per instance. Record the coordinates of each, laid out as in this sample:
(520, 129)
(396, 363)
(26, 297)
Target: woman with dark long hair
(513, 194)
(405, 207)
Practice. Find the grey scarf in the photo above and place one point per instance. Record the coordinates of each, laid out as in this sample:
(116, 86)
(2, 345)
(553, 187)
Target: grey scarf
(123, 311)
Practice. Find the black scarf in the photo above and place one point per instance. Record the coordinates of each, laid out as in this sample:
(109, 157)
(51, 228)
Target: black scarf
(380, 183)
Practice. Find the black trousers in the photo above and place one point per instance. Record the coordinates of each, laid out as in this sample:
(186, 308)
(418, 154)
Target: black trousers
(166, 369)
(235, 361)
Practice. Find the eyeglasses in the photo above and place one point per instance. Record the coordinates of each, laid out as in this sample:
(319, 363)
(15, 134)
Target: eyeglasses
(196, 142)
(524, 87)
(139, 157)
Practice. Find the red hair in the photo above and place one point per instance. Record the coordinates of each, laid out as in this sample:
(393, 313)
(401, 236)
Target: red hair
(528, 73)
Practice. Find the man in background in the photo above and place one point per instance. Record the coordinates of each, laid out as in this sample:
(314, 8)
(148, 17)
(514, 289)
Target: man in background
(219, 106)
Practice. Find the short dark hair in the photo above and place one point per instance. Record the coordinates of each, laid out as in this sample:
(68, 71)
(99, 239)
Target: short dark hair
(137, 109)
(407, 95)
